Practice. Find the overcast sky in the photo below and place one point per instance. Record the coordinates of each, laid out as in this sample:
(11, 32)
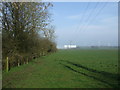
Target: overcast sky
(86, 23)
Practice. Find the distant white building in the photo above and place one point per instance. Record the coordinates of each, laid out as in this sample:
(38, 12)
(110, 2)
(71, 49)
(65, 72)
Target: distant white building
(69, 46)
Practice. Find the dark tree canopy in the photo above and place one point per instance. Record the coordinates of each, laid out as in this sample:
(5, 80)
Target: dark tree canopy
(26, 30)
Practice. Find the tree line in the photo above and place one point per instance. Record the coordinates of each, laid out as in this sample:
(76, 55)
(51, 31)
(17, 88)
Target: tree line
(27, 32)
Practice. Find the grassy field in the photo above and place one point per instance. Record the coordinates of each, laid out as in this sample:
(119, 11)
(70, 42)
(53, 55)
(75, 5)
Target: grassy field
(67, 69)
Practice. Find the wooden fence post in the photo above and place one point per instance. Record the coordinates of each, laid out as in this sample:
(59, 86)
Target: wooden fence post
(7, 64)
(18, 63)
(27, 60)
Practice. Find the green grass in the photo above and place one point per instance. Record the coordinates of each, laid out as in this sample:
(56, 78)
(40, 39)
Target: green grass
(67, 69)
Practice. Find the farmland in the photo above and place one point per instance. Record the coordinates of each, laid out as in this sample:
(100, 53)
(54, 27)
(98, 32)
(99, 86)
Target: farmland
(93, 68)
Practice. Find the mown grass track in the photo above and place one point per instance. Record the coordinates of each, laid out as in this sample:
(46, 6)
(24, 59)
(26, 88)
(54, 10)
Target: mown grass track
(67, 69)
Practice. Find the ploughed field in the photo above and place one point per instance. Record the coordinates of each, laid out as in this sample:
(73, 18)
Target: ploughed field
(84, 68)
